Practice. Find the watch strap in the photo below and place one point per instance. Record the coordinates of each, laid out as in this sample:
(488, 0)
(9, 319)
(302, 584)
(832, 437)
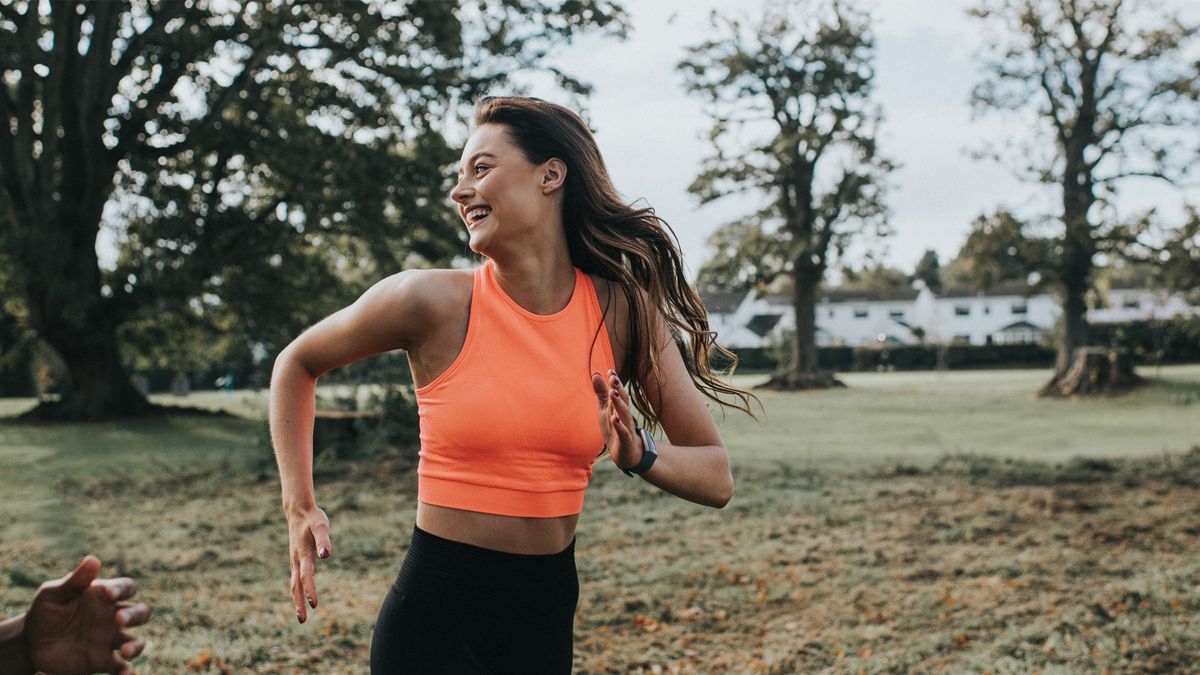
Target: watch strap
(648, 455)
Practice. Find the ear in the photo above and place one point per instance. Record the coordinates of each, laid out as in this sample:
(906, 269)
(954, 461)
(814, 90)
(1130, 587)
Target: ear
(554, 174)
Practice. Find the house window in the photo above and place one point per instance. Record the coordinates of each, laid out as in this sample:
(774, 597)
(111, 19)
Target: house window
(961, 340)
(860, 312)
(831, 312)
(962, 310)
(987, 309)
(1020, 308)
(1131, 303)
(896, 314)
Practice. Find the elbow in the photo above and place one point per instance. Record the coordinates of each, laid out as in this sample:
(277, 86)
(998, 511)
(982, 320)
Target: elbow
(726, 494)
(288, 360)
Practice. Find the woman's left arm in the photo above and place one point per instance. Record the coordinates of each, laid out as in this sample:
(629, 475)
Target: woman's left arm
(694, 465)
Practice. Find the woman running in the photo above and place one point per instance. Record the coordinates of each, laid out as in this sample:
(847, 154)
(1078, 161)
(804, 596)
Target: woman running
(511, 361)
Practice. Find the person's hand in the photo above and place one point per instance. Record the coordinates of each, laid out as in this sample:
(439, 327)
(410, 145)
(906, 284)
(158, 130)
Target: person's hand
(76, 624)
(308, 539)
(616, 420)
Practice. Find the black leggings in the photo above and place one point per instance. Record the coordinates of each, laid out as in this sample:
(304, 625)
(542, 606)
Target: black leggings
(462, 609)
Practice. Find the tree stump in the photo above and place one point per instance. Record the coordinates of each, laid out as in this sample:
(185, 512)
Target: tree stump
(791, 380)
(1096, 370)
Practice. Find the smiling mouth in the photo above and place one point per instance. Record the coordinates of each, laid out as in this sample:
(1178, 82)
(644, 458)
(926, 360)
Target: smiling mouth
(471, 224)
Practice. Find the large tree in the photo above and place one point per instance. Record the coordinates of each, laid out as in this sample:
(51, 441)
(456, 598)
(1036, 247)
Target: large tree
(245, 152)
(1112, 96)
(798, 79)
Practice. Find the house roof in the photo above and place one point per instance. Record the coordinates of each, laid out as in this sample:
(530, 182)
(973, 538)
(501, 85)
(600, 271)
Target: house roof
(846, 295)
(762, 324)
(1019, 289)
(1019, 325)
(721, 301)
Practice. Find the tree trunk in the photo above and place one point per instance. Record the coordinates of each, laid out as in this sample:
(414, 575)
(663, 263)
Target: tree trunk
(1095, 370)
(98, 386)
(1075, 327)
(804, 373)
(62, 283)
(1078, 249)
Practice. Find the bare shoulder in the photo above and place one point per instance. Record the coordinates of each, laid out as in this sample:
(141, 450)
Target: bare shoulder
(441, 296)
(401, 311)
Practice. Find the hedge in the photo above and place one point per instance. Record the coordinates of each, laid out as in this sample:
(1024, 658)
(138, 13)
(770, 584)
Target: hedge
(1170, 341)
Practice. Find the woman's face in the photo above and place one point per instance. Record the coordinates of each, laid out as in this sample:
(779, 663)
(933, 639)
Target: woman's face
(498, 189)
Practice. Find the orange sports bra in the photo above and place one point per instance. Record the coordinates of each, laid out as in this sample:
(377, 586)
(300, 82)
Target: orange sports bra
(512, 427)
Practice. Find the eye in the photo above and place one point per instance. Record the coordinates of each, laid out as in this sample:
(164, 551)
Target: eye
(478, 167)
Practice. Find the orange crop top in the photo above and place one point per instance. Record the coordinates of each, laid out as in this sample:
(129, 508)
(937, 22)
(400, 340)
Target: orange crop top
(512, 427)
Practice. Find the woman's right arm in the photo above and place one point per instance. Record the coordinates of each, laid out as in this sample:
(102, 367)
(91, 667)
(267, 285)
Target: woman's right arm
(395, 313)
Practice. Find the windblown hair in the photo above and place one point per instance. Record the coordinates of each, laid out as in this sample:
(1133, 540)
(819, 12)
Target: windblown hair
(626, 245)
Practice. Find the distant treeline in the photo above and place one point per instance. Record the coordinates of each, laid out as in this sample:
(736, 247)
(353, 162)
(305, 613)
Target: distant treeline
(24, 361)
(20, 372)
(1150, 342)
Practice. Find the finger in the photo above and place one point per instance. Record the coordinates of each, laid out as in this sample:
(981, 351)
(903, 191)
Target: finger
(623, 411)
(121, 588)
(118, 666)
(134, 615)
(600, 388)
(69, 587)
(298, 597)
(618, 390)
(320, 533)
(131, 646)
(308, 580)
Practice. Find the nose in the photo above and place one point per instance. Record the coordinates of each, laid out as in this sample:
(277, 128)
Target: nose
(460, 194)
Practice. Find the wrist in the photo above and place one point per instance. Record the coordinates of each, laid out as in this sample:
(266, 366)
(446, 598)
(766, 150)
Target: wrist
(649, 454)
(297, 508)
(15, 650)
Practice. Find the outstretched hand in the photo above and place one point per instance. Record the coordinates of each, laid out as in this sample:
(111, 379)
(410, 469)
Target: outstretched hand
(76, 624)
(616, 420)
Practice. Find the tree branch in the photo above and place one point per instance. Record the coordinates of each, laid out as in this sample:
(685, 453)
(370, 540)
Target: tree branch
(137, 45)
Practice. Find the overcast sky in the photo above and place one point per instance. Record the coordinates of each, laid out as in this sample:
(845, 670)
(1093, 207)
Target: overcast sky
(648, 128)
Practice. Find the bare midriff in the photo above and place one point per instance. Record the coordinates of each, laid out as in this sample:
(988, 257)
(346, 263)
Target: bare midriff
(536, 536)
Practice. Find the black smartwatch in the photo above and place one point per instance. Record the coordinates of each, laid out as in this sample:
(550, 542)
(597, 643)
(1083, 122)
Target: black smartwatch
(648, 456)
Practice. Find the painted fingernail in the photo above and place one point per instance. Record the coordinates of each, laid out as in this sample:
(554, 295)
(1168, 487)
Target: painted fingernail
(298, 617)
(324, 552)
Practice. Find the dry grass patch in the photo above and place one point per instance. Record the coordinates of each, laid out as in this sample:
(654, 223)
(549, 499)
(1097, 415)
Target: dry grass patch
(973, 565)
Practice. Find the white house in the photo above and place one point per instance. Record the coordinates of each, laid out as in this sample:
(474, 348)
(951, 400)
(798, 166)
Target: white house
(1005, 314)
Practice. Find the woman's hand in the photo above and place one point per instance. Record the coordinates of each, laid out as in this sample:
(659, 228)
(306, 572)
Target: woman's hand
(616, 420)
(308, 539)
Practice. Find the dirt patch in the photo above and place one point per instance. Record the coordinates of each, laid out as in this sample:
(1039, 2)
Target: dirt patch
(974, 565)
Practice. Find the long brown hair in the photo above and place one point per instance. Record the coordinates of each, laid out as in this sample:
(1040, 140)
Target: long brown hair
(626, 245)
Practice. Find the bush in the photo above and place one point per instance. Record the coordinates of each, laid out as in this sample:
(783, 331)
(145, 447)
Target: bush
(1155, 341)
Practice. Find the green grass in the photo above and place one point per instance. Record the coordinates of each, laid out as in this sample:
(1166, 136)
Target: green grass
(908, 522)
(915, 417)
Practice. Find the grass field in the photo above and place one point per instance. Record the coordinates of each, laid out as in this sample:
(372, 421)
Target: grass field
(912, 522)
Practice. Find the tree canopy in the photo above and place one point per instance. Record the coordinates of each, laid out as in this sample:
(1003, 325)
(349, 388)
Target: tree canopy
(789, 94)
(251, 157)
(1112, 96)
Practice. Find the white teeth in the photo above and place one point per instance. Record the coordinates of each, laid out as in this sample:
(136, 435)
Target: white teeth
(476, 214)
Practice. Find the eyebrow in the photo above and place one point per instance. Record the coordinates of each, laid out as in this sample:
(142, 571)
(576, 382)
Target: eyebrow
(474, 157)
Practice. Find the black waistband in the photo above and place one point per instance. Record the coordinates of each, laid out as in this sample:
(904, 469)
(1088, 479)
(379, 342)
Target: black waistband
(431, 554)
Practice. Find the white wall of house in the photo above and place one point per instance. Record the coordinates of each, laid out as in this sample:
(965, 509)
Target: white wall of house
(996, 317)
